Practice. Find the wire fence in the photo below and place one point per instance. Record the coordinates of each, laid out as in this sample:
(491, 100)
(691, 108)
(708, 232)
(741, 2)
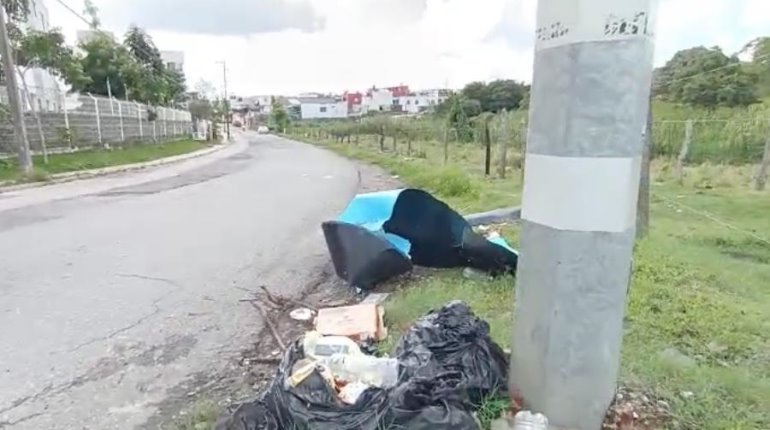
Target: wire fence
(59, 121)
(739, 139)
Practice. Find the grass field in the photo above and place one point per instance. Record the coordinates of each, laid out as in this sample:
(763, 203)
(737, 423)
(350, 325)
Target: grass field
(97, 158)
(697, 329)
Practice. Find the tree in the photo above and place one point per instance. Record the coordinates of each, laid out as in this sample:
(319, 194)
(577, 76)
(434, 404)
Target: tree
(92, 12)
(458, 118)
(279, 118)
(46, 50)
(141, 46)
(111, 69)
(760, 63)
(705, 77)
(497, 95)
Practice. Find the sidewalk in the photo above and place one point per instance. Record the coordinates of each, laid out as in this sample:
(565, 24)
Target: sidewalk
(75, 184)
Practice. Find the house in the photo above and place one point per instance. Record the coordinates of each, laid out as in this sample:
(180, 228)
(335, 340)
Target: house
(378, 100)
(420, 101)
(321, 107)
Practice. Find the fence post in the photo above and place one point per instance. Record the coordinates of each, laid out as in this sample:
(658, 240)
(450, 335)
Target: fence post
(66, 118)
(139, 117)
(446, 144)
(165, 122)
(488, 146)
(684, 151)
(503, 144)
(761, 179)
(120, 116)
(523, 134)
(98, 120)
(173, 122)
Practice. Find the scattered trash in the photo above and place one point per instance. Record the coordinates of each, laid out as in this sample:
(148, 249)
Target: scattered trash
(381, 235)
(446, 363)
(302, 314)
(358, 322)
(526, 420)
(431, 403)
(453, 338)
(373, 371)
(470, 273)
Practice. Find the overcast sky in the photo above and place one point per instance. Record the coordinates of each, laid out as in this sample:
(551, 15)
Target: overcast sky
(291, 46)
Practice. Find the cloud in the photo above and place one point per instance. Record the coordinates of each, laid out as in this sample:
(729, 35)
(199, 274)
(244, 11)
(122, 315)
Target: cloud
(218, 17)
(516, 27)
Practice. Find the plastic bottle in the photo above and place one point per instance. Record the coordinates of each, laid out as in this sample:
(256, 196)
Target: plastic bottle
(318, 347)
(526, 420)
(380, 372)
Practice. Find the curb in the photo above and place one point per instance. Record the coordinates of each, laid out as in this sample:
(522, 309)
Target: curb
(495, 216)
(59, 178)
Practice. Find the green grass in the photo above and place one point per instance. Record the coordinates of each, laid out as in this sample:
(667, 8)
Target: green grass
(97, 158)
(201, 416)
(701, 281)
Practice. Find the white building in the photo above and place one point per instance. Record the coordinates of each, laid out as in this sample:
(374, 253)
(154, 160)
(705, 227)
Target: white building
(321, 107)
(378, 100)
(420, 101)
(43, 87)
(173, 60)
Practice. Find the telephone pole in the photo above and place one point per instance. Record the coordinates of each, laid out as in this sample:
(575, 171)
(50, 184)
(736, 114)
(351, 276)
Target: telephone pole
(227, 101)
(590, 93)
(12, 87)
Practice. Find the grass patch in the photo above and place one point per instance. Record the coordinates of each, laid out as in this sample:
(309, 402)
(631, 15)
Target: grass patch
(201, 416)
(699, 286)
(97, 158)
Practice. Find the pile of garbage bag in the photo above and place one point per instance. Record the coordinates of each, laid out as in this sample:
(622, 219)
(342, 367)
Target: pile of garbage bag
(383, 234)
(444, 366)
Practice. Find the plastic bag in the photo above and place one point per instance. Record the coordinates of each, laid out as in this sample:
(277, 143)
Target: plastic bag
(454, 339)
(437, 403)
(312, 404)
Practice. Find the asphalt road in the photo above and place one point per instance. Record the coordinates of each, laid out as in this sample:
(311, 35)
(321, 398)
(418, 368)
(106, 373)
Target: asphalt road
(113, 291)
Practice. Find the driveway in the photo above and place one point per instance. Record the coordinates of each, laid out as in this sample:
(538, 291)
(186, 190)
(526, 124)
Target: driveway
(115, 290)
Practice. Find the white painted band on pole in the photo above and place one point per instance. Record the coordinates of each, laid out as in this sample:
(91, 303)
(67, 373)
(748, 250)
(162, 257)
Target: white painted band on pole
(599, 193)
(562, 22)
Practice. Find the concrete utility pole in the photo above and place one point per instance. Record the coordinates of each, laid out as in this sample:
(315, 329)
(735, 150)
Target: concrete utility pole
(227, 102)
(19, 128)
(590, 93)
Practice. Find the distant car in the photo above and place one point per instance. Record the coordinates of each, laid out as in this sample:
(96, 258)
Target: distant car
(263, 129)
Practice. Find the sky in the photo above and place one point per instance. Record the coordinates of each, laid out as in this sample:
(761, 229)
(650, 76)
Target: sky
(294, 46)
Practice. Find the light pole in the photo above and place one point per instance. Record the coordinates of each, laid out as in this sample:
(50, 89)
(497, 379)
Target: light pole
(227, 101)
(590, 92)
(14, 100)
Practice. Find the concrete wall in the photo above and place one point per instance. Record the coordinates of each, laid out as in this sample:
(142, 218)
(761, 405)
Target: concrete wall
(85, 132)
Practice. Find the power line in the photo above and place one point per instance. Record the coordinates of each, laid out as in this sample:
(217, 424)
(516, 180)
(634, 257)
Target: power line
(727, 66)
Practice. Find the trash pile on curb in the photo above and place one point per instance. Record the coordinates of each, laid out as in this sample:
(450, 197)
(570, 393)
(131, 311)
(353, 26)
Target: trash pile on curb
(444, 366)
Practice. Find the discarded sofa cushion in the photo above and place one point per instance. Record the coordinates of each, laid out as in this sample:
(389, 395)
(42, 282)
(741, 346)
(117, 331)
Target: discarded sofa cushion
(454, 339)
(415, 224)
(361, 257)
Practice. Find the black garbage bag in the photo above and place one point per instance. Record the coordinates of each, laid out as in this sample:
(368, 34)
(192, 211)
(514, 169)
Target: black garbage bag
(441, 237)
(453, 339)
(312, 404)
(362, 257)
(436, 403)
